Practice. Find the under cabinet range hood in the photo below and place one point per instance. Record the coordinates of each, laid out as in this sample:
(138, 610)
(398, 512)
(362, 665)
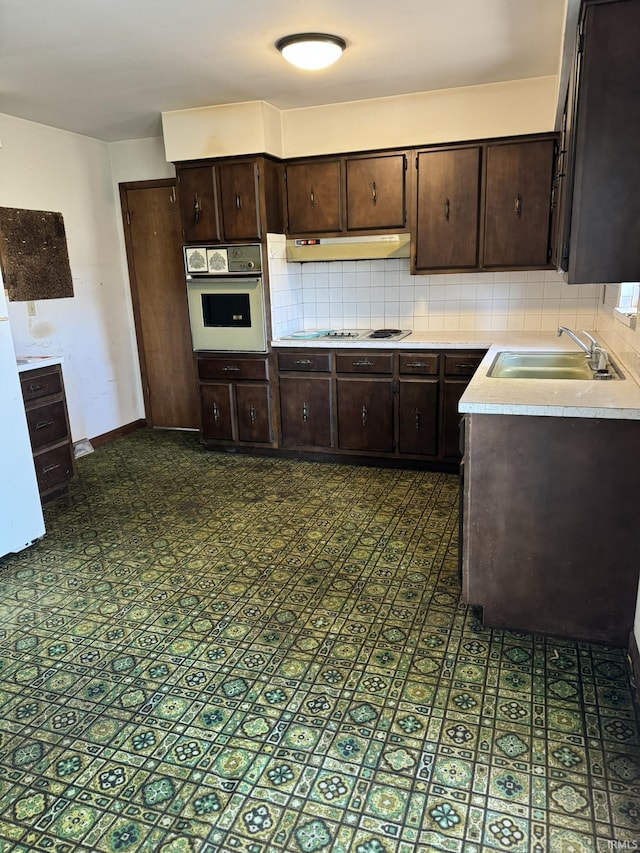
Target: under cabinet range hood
(309, 249)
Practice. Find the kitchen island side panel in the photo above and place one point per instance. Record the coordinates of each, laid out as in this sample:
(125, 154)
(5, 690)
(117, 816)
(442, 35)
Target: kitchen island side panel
(551, 526)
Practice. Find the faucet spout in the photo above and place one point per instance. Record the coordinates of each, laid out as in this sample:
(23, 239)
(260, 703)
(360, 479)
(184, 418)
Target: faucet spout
(597, 355)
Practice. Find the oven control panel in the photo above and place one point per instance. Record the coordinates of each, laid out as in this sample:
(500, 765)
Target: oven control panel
(222, 260)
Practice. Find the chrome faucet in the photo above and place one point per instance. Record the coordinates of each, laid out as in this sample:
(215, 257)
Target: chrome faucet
(597, 355)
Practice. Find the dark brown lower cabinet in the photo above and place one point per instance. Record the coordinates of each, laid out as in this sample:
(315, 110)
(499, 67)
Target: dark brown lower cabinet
(418, 417)
(48, 421)
(215, 404)
(253, 409)
(305, 411)
(365, 414)
(235, 399)
(550, 536)
(394, 404)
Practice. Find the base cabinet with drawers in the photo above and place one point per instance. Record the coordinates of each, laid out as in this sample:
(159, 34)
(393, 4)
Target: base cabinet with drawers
(48, 422)
(398, 405)
(235, 399)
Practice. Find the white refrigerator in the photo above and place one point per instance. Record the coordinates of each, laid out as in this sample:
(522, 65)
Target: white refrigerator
(21, 520)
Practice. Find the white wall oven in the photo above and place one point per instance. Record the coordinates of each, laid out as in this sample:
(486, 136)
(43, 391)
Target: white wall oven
(225, 292)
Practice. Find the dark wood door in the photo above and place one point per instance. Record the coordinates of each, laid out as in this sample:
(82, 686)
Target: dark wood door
(448, 209)
(376, 192)
(253, 409)
(216, 410)
(365, 414)
(239, 200)
(305, 407)
(518, 204)
(154, 254)
(199, 204)
(314, 197)
(418, 417)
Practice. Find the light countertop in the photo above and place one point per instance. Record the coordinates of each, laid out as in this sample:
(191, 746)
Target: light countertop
(32, 362)
(614, 399)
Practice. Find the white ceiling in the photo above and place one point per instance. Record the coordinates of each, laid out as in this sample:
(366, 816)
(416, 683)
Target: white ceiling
(108, 68)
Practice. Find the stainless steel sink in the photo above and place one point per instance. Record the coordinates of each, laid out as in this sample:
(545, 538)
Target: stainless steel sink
(547, 365)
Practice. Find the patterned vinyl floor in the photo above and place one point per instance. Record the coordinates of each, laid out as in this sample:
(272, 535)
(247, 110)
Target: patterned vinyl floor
(219, 653)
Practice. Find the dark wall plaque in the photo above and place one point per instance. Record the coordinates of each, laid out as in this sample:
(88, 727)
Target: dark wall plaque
(33, 254)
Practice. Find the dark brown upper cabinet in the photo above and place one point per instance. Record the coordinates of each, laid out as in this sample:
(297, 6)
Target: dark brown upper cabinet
(517, 218)
(600, 191)
(239, 200)
(314, 196)
(375, 192)
(485, 206)
(448, 207)
(230, 200)
(198, 191)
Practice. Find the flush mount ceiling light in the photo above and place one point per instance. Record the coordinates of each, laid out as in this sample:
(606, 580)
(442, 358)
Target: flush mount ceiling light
(311, 50)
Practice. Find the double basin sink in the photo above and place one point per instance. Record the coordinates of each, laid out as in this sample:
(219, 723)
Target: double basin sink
(548, 365)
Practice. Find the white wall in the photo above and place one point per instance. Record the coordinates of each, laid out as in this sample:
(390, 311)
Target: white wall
(512, 108)
(42, 168)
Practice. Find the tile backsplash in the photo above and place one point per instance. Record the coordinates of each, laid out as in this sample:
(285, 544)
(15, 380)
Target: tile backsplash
(383, 294)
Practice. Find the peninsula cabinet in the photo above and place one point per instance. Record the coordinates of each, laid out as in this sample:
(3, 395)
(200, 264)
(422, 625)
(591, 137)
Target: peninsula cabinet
(550, 531)
(235, 399)
(600, 190)
(48, 422)
(485, 207)
(232, 199)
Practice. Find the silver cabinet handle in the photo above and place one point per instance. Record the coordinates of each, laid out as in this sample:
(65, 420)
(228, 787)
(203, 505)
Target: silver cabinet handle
(231, 368)
(517, 209)
(374, 193)
(197, 207)
(44, 424)
(417, 414)
(416, 364)
(305, 412)
(216, 412)
(49, 468)
(364, 416)
(312, 198)
(365, 363)
(447, 209)
(252, 414)
(238, 201)
(303, 361)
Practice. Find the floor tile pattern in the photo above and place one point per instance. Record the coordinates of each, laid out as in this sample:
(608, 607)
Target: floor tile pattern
(211, 653)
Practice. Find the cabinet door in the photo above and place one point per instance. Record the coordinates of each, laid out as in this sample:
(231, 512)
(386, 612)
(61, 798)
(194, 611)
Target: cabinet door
(376, 192)
(305, 406)
(215, 405)
(253, 408)
(452, 391)
(518, 204)
(448, 209)
(365, 414)
(239, 200)
(418, 417)
(314, 197)
(199, 204)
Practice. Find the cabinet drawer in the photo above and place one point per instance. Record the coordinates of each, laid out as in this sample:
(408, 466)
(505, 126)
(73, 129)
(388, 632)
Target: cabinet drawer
(47, 424)
(420, 363)
(53, 467)
(312, 361)
(40, 383)
(365, 363)
(233, 368)
(462, 364)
